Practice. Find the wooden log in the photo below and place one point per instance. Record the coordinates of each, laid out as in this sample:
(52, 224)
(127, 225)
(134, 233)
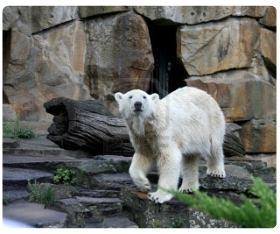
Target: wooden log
(88, 125)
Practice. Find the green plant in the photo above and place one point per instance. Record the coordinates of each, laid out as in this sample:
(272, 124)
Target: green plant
(14, 130)
(65, 176)
(249, 214)
(41, 193)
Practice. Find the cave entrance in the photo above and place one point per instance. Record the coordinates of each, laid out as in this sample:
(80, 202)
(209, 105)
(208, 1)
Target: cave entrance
(6, 57)
(169, 72)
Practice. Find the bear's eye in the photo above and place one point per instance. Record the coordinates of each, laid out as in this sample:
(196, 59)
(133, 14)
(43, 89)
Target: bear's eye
(130, 97)
(144, 97)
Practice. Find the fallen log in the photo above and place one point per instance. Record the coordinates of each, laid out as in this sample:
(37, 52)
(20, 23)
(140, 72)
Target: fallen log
(88, 125)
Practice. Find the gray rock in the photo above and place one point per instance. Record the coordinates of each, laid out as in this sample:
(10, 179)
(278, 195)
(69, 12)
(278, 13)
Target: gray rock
(147, 214)
(87, 11)
(13, 195)
(104, 205)
(9, 113)
(196, 14)
(97, 193)
(22, 176)
(112, 181)
(10, 143)
(113, 222)
(34, 214)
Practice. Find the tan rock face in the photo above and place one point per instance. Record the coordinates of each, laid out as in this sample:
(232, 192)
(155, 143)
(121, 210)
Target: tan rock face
(87, 11)
(119, 55)
(197, 14)
(269, 19)
(259, 136)
(212, 47)
(29, 19)
(268, 45)
(45, 66)
(241, 94)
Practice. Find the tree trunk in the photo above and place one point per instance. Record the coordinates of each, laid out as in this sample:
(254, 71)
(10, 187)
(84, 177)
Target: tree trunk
(88, 125)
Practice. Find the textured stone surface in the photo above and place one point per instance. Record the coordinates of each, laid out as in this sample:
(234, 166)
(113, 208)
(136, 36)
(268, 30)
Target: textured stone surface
(45, 66)
(113, 222)
(268, 45)
(34, 214)
(112, 181)
(9, 113)
(213, 47)
(36, 18)
(119, 55)
(269, 18)
(13, 195)
(22, 176)
(259, 136)
(196, 14)
(241, 94)
(87, 11)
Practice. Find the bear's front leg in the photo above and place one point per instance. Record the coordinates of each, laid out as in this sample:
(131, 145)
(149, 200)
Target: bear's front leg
(169, 172)
(138, 170)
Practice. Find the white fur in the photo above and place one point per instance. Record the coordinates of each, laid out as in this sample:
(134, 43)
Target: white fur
(173, 132)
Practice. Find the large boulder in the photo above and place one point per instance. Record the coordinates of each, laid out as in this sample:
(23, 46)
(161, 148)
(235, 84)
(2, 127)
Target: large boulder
(119, 55)
(259, 136)
(32, 19)
(45, 66)
(88, 11)
(241, 94)
(269, 19)
(196, 14)
(212, 47)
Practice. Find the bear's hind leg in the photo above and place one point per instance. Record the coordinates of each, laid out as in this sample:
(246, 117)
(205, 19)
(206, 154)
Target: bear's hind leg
(138, 170)
(190, 173)
(215, 162)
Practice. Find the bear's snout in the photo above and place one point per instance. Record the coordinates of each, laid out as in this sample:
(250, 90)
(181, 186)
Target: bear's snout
(138, 106)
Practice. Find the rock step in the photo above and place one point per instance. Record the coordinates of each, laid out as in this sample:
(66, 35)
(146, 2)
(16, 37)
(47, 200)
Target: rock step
(34, 214)
(33, 151)
(98, 193)
(20, 176)
(114, 181)
(105, 206)
(10, 143)
(47, 161)
(113, 222)
(14, 195)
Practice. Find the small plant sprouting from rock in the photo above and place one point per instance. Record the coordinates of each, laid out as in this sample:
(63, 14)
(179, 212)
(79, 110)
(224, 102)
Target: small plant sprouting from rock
(14, 130)
(65, 176)
(41, 193)
(247, 215)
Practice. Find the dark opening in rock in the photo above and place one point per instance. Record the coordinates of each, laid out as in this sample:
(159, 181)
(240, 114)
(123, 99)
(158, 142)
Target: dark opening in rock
(169, 73)
(6, 58)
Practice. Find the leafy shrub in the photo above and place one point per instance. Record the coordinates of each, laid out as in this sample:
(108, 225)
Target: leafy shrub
(14, 130)
(41, 193)
(64, 176)
(258, 214)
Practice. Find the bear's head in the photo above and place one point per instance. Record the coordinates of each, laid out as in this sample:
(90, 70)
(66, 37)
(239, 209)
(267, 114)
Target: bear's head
(136, 103)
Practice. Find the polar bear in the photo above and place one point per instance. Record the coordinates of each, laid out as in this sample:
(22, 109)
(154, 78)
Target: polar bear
(173, 133)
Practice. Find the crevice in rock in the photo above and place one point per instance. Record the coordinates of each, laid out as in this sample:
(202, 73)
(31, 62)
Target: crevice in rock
(54, 27)
(169, 72)
(6, 59)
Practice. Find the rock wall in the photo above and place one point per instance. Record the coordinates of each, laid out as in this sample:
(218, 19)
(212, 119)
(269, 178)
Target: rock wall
(92, 52)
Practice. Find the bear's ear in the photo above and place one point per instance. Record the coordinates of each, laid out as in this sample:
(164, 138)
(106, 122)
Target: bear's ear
(118, 96)
(154, 96)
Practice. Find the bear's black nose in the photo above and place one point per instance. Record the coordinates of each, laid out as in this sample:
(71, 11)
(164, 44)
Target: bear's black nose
(138, 106)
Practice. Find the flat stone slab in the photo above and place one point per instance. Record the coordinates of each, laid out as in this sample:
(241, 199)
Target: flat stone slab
(113, 181)
(10, 143)
(13, 195)
(36, 161)
(22, 176)
(104, 205)
(98, 193)
(34, 214)
(114, 222)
